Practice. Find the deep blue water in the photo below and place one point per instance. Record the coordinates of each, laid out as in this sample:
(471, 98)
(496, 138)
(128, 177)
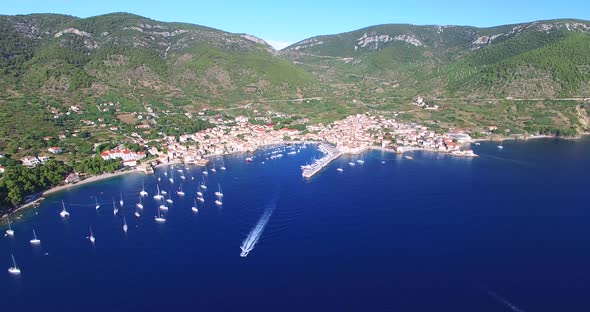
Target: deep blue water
(436, 233)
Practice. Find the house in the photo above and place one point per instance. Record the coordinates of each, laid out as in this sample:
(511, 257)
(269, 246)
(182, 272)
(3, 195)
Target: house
(2, 169)
(55, 150)
(72, 178)
(129, 163)
(30, 161)
(124, 154)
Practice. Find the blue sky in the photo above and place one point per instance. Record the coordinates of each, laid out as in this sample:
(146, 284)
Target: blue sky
(282, 22)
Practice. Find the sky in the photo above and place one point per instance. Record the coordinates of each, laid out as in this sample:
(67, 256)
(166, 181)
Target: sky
(285, 22)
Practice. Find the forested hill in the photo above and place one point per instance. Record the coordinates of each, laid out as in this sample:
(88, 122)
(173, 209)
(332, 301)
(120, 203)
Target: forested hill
(542, 59)
(124, 53)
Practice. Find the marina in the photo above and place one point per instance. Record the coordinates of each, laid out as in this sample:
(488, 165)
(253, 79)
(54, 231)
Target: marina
(330, 154)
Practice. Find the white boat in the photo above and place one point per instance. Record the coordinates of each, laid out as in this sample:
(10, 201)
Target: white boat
(14, 268)
(139, 203)
(339, 169)
(351, 164)
(222, 166)
(121, 202)
(192, 178)
(9, 231)
(477, 143)
(169, 199)
(125, 227)
(163, 207)
(179, 170)
(143, 192)
(166, 173)
(159, 179)
(182, 177)
(201, 199)
(360, 161)
(203, 186)
(218, 202)
(164, 192)
(115, 209)
(199, 193)
(171, 178)
(158, 196)
(137, 213)
(97, 204)
(213, 169)
(500, 146)
(64, 213)
(159, 217)
(180, 192)
(91, 237)
(194, 208)
(205, 173)
(219, 193)
(35, 240)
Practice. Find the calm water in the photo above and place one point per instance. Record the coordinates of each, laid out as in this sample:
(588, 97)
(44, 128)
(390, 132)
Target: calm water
(434, 234)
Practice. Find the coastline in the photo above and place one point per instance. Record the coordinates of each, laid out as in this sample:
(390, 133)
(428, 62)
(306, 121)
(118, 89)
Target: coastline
(40, 196)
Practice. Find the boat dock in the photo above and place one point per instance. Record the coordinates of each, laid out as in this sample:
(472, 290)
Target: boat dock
(331, 154)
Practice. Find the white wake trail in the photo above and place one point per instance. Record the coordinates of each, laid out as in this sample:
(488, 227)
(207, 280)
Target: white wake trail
(250, 241)
(504, 301)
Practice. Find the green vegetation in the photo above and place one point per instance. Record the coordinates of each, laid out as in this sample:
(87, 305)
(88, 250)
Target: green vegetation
(97, 165)
(19, 182)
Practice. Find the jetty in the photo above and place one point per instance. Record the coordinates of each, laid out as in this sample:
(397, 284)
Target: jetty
(330, 154)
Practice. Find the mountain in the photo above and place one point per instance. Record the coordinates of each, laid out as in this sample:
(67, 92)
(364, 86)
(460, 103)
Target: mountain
(125, 54)
(546, 59)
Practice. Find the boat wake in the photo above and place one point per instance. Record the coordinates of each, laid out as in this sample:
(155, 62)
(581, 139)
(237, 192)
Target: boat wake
(505, 302)
(250, 242)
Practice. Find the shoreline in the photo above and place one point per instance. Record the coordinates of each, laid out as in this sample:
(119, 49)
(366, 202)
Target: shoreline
(40, 196)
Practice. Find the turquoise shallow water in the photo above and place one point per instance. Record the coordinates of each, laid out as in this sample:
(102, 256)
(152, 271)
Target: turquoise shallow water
(437, 233)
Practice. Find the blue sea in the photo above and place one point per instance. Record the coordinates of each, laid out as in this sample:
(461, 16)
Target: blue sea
(508, 231)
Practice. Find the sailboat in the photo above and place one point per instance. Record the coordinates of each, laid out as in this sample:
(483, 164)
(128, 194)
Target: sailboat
(115, 209)
(14, 268)
(97, 204)
(159, 217)
(164, 192)
(121, 202)
(360, 161)
(205, 172)
(64, 213)
(219, 193)
(139, 204)
(213, 169)
(91, 237)
(169, 199)
(182, 177)
(171, 179)
(158, 196)
(194, 208)
(9, 231)
(222, 166)
(339, 169)
(35, 240)
(500, 146)
(180, 192)
(199, 193)
(201, 199)
(203, 186)
(218, 202)
(125, 227)
(163, 207)
(143, 192)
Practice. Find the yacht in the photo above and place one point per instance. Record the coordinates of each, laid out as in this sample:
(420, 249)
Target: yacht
(64, 213)
(180, 192)
(500, 146)
(205, 172)
(219, 193)
(158, 196)
(137, 213)
(121, 202)
(115, 209)
(351, 164)
(164, 192)
(222, 168)
(360, 161)
(201, 199)
(194, 208)
(125, 227)
(9, 231)
(203, 186)
(97, 204)
(218, 202)
(35, 240)
(91, 237)
(14, 268)
(199, 193)
(171, 178)
(159, 217)
(182, 177)
(339, 169)
(163, 207)
(139, 203)
(143, 192)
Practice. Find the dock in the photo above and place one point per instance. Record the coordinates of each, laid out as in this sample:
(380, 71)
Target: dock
(331, 154)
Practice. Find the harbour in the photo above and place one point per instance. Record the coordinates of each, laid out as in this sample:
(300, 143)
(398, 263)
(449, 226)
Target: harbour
(330, 154)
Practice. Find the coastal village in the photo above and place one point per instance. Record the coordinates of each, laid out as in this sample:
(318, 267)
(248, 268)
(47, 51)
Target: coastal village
(351, 135)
